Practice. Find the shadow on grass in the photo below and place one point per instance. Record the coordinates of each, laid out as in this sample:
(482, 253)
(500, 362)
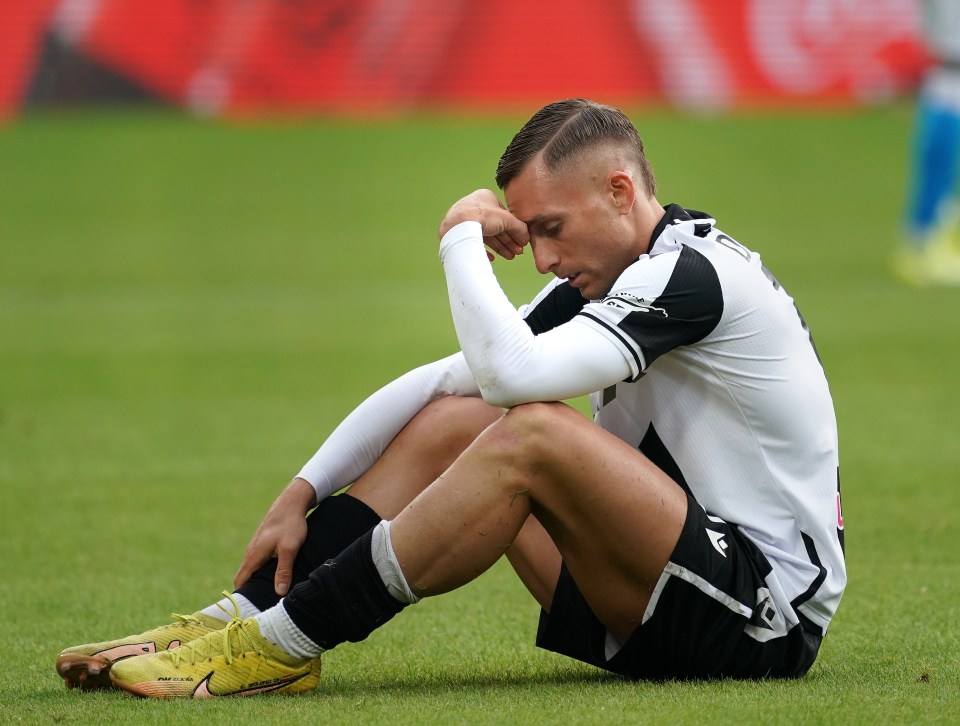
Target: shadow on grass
(439, 683)
(436, 683)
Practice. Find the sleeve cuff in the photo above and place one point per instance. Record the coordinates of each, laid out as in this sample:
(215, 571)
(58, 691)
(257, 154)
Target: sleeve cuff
(465, 232)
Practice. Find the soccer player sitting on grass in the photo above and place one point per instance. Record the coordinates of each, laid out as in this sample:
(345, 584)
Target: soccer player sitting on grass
(692, 529)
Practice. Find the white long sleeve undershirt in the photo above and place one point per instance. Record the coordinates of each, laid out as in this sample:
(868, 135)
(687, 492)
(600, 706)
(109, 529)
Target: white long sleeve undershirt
(510, 364)
(501, 360)
(362, 437)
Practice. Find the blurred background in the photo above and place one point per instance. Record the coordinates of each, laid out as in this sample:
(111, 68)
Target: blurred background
(225, 57)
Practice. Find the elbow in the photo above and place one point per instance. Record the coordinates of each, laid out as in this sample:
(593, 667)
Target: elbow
(502, 394)
(504, 381)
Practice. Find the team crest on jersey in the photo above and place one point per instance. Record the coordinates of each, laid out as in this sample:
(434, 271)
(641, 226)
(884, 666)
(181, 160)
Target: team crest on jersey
(632, 303)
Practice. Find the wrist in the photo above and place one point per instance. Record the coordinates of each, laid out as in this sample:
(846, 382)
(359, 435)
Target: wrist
(300, 492)
(455, 218)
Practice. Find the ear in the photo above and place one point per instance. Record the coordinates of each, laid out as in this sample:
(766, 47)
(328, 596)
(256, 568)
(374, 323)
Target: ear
(622, 191)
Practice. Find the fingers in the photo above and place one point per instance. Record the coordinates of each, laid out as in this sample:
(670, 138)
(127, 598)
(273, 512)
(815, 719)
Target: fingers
(284, 575)
(510, 246)
(502, 232)
(240, 579)
(253, 560)
(247, 568)
(505, 250)
(499, 223)
(281, 534)
(504, 245)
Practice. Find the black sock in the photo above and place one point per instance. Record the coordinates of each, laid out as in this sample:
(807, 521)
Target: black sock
(343, 599)
(335, 523)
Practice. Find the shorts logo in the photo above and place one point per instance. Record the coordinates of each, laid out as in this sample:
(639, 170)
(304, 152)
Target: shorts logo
(716, 539)
(765, 614)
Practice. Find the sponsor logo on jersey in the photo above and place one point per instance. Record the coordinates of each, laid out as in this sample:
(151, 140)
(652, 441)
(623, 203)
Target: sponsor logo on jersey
(632, 303)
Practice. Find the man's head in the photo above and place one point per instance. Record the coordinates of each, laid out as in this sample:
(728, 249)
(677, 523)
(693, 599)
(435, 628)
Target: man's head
(577, 176)
(564, 129)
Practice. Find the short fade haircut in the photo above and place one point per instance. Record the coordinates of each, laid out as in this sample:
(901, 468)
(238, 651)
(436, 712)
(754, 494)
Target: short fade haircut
(563, 129)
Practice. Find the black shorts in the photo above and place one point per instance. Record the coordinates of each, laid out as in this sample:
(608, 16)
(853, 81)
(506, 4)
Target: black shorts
(710, 616)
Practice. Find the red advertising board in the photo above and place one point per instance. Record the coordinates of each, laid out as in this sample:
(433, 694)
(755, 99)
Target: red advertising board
(238, 56)
(22, 26)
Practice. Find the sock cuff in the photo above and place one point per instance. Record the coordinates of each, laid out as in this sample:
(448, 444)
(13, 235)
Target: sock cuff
(223, 608)
(388, 566)
(278, 628)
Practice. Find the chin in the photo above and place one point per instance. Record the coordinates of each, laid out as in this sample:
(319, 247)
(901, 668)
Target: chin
(594, 294)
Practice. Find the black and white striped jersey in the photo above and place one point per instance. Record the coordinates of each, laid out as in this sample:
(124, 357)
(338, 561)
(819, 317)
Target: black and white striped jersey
(727, 395)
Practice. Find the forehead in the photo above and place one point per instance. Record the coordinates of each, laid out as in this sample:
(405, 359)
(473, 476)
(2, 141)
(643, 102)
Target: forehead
(537, 192)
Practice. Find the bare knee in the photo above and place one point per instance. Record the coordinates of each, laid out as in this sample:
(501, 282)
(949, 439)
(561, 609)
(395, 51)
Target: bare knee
(538, 424)
(453, 422)
(527, 436)
(426, 446)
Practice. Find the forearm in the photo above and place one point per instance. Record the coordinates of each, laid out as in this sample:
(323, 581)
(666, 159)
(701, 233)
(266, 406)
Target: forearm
(510, 364)
(363, 435)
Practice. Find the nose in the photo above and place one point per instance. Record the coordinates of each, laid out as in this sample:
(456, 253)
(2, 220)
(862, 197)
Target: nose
(544, 256)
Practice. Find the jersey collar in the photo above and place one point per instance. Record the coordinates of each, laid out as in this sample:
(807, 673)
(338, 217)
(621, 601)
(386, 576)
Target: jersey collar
(674, 214)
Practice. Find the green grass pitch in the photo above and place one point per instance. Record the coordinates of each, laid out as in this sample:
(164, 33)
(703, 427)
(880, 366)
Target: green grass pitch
(187, 309)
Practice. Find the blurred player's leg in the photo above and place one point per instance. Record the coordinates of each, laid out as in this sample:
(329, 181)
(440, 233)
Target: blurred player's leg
(931, 254)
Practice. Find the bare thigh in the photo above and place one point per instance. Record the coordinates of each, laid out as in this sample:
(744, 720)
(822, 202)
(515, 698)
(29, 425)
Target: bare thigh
(611, 514)
(423, 449)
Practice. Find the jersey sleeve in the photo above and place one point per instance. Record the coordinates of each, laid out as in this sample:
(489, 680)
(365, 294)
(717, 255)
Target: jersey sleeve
(558, 303)
(658, 304)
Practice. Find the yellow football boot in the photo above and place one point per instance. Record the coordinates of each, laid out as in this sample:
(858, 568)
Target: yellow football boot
(87, 666)
(935, 262)
(235, 661)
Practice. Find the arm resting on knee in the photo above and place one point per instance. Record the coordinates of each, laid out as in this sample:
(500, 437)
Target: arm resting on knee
(363, 436)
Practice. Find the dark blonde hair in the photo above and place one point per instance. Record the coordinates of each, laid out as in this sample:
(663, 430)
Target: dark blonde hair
(564, 128)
